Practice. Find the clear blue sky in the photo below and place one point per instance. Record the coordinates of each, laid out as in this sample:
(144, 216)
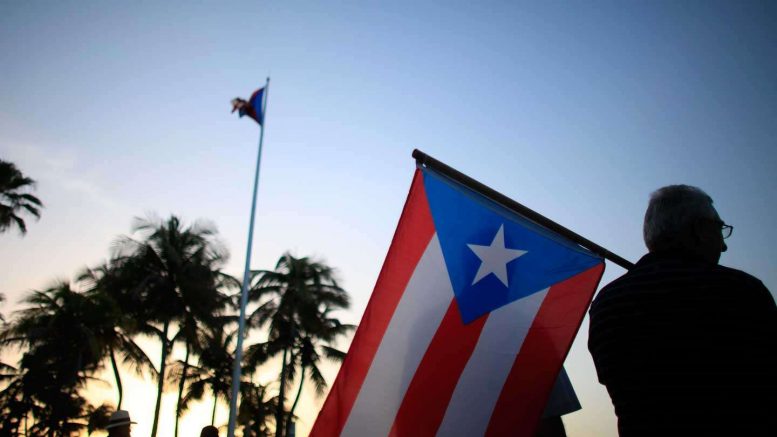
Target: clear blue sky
(578, 110)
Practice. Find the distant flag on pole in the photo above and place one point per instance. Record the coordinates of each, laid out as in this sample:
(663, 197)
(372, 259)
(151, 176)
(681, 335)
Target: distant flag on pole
(469, 323)
(253, 107)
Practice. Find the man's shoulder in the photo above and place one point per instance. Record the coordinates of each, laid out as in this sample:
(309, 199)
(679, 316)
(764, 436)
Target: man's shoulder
(656, 273)
(615, 289)
(749, 287)
(651, 267)
(646, 269)
(739, 276)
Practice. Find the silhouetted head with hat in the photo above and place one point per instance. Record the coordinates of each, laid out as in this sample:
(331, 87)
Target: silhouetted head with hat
(119, 425)
(209, 431)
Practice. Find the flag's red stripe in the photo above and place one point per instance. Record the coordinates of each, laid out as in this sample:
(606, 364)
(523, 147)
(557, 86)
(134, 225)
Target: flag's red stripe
(414, 231)
(427, 397)
(531, 378)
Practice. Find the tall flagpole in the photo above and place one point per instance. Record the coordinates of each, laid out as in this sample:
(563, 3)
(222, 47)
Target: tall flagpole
(236, 368)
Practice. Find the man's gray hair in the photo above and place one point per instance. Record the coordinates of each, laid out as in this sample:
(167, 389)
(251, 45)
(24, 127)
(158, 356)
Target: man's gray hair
(672, 212)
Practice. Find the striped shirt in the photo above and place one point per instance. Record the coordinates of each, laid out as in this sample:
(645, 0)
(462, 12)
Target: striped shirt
(685, 347)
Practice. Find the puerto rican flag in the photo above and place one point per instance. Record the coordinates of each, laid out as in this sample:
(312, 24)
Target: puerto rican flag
(469, 324)
(253, 108)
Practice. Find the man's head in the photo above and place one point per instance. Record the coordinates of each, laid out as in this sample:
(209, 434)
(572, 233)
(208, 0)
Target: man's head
(209, 431)
(681, 218)
(119, 425)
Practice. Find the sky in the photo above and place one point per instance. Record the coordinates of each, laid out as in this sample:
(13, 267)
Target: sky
(576, 109)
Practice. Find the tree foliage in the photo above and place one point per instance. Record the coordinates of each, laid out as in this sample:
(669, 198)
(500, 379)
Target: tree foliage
(15, 199)
(164, 281)
(169, 274)
(58, 330)
(296, 301)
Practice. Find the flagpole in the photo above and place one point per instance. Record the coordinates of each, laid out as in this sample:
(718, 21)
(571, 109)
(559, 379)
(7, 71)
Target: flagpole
(426, 160)
(236, 368)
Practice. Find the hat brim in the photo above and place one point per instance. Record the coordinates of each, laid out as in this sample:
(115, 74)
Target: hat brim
(122, 423)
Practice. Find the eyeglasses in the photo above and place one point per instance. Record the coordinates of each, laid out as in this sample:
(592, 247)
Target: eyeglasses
(726, 230)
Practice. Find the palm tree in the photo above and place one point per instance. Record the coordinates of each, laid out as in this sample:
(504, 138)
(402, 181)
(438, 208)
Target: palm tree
(173, 270)
(294, 302)
(118, 325)
(98, 418)
(192, 333)
(62, 350)
(214, 371)
(14, 405)
(256, 409)
(14, 198)
(188, 331)
(308, 350)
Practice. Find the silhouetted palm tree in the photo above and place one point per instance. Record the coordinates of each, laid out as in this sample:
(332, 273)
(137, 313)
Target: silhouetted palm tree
(14, 198)
(57, 329)
(214, 372)
(295, 300)
(97, 418)
(256, 410)
(14, 405)
(174, 272)
(189, 333)
(118, 325)
(309, 348)
(192, 333)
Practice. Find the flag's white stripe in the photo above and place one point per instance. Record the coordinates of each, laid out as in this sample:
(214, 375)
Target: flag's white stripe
(477, 391)
(420, 310)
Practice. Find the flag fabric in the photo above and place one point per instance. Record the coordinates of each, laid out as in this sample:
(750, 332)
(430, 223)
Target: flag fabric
(252, 108)
(469, 323)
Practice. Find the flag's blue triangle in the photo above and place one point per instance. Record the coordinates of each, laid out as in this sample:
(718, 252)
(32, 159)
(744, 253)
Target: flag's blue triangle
(463, 217)
(256, 101)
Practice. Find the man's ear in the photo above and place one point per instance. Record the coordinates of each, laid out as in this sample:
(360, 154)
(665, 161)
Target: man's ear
(693, 237)
(700, 232)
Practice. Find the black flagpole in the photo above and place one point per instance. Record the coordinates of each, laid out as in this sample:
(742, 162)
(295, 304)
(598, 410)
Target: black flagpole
(427, 161)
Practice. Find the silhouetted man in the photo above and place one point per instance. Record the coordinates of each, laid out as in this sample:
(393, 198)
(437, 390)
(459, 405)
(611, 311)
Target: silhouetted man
(119, 425)
(685, 346)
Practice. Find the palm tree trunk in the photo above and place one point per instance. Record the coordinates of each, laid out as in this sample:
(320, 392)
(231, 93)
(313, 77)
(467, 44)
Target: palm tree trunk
(180, 388)
(213, 415)
(116, 376)
(160, 386)
(279, 409)
(296, 399)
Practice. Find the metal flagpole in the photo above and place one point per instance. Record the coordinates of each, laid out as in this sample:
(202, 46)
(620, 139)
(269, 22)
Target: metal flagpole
(236, 368)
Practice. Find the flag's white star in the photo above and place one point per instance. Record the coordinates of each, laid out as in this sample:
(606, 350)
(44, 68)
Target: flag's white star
(494, 258)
